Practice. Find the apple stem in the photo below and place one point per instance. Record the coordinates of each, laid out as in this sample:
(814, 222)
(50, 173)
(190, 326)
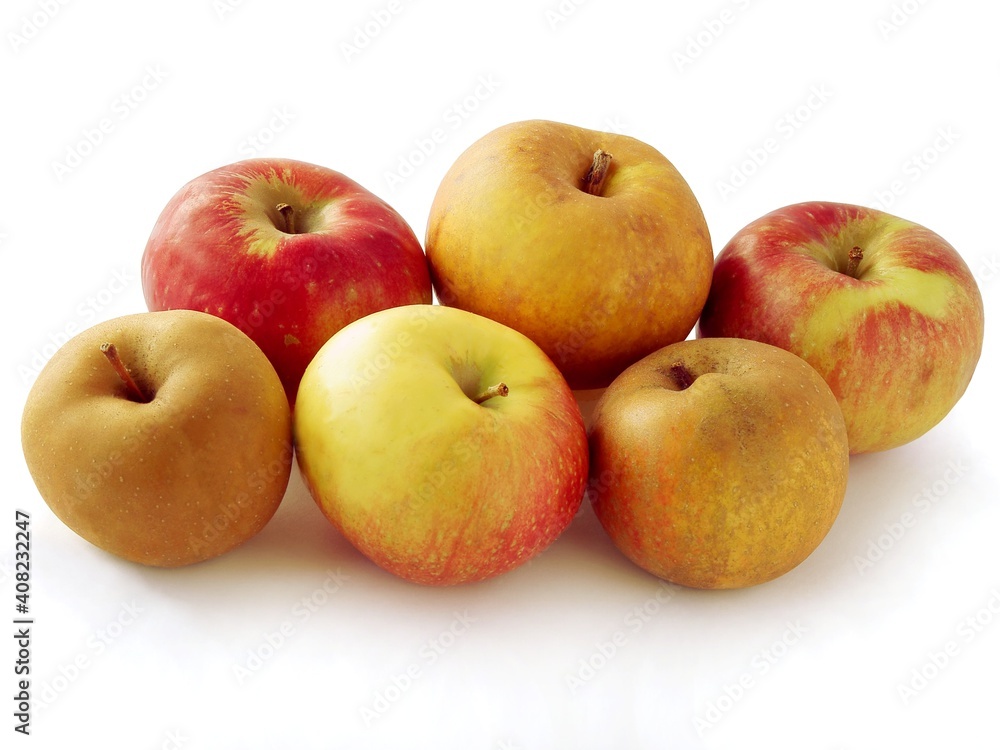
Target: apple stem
(500, 389)
(681, 375)
(135, 393)
(854, 259)
(593, 182)
(288, 216)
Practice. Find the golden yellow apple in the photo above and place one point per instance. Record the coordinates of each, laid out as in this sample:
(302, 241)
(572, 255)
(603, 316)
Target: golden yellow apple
(591, 244)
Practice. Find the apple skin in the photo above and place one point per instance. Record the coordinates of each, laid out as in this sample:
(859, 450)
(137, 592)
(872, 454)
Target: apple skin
(220, 246)
(597, 281)
(718, 463)
(426, 482)
(897, 341)
(188, 476)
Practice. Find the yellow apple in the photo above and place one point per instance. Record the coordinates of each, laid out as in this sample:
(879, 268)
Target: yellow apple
(718, 463)
(591, 244)
(445, 446)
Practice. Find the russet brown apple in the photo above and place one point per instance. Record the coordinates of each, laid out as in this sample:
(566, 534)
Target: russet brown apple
(718, 463)
(163, 438)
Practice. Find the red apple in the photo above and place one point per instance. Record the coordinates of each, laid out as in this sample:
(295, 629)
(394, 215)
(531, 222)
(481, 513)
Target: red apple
(885, 309)
(289, 252)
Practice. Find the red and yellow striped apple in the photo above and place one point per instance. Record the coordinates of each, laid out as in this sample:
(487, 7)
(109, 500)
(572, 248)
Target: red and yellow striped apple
(289, 252)
(445, 446)
(886, 310)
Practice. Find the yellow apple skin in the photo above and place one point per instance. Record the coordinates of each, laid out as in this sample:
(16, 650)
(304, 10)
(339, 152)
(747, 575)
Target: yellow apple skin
(597, 281)
(190, 475)
(718, 463)
(427, 483)
(897, 339)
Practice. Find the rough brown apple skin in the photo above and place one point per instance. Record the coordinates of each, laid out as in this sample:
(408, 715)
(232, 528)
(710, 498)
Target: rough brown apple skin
(729, 482)
(191, 474)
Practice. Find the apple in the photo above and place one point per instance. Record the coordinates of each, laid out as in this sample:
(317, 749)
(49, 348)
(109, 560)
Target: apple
(589, 243)
(163, 438)
(445, 446)
(885, 309)
(289, 252)
(718, 463)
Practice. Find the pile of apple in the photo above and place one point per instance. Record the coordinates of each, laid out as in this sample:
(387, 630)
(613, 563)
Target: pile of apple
(291, 313)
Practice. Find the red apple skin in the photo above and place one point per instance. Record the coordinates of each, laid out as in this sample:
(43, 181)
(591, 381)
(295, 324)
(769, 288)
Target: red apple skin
(219, 247)
(897, 342)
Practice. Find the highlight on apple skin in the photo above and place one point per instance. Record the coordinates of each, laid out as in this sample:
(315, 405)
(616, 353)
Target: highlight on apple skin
(287, 251)
(163, 438)
(884, 308)
(443, 445)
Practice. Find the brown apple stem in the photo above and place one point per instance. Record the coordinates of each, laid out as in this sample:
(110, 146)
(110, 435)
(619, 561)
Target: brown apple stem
(681, 375)
(500, 389)
(288, 216)
(593, 182)
(135, 393)
(854, 259)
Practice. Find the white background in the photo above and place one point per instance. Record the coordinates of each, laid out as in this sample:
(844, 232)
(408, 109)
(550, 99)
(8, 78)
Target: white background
(857, 95)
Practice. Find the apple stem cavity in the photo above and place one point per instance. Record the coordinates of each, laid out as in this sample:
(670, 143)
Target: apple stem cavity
(134, 392)
(854, 258)
(593, 182)
(287, 216)
(681, 376)
(500, 389)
